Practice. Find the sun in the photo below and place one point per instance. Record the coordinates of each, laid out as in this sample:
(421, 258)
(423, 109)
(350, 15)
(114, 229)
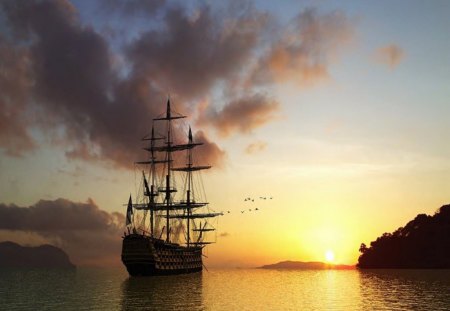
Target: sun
(329, 256)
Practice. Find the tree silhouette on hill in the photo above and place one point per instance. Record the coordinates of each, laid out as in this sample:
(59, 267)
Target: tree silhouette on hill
(424, 243)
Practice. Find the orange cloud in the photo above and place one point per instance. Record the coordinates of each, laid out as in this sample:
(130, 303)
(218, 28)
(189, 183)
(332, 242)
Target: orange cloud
(255, 147)
(390, 55)
(241, 115)
(210, 152)
(305, 49)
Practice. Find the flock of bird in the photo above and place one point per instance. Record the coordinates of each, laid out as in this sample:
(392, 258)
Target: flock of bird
(252, 200)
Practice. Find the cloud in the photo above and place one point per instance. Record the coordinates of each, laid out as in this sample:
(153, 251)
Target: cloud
(241, 115)
(76, 85)
(88, 234)
(209, 152)
(131, 7)
(15, 81)
(255, 147)
(215, 46)
(305, 49)
(390, 55)
(94, 98)
(72, 77)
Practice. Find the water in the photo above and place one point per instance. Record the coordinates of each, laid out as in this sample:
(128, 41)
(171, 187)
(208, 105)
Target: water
(234, 289)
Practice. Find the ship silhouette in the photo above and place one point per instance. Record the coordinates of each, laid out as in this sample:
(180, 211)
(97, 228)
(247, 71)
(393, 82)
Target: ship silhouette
(167, 228)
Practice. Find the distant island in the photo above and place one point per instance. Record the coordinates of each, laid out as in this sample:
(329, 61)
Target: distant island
(424, 243)
(13, 255)
(311, 265)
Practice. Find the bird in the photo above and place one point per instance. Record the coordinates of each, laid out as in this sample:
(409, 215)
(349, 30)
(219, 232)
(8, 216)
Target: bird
(228, 212)
(271, 198)
(256, 209)
(242, 212)
(249, 209)
(245, 200)
(253, 200)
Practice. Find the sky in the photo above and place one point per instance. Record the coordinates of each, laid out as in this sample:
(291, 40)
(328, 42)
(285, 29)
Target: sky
(338, 110)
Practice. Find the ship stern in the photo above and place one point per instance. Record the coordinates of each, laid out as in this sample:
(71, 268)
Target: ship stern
(138, 255)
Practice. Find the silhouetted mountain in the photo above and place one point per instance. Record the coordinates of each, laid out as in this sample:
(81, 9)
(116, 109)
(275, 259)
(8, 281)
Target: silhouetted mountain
(44, 256)
(299, 265)
(424, 243)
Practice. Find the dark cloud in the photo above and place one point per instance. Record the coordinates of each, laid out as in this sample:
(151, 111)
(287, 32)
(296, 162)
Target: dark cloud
(58, 73)
(305, 48)
(88, 234)
(194, 51)
(15, 81)
(132, 7)
(241, 115)
(76, 87)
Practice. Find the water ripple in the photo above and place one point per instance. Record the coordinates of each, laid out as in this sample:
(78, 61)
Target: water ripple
(235, 289)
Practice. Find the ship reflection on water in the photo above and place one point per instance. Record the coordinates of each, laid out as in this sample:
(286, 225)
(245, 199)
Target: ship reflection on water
(225, 289)
(181, 292)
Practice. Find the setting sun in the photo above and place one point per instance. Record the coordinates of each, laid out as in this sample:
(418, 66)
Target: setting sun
(329, 256)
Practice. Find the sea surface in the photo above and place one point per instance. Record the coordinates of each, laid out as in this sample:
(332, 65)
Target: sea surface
(232, 289)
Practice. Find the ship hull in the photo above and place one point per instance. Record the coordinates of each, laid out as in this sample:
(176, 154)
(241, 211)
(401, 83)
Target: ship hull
(146, 256)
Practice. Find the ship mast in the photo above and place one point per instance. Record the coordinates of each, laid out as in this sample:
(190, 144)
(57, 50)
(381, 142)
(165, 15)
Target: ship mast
(151, 191)
(152, 187)
(168, 205)
(169, 148)
(190, 203)
(169, 158)
(188, 192)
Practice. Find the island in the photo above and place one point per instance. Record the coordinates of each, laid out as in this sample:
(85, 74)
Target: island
(424, 243)
(310, 265)
(13, 255)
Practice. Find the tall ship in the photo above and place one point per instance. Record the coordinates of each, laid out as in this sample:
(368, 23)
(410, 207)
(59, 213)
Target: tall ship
(168, 225)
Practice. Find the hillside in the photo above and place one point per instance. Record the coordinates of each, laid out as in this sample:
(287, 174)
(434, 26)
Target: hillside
(44, 256)
(424, 243)
(299, 265)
